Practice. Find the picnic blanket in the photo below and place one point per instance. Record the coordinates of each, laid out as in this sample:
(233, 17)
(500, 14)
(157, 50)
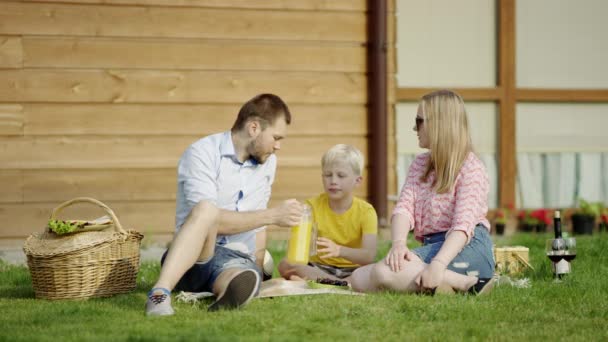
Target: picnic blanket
(275, 287)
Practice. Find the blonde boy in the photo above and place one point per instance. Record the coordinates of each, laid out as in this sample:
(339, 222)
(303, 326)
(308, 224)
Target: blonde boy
(347, 226)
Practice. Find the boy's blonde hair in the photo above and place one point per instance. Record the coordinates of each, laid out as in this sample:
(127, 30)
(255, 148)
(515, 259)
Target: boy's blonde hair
(344, 153)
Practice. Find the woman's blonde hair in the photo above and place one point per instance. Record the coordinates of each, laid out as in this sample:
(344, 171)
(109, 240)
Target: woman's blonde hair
(344, 153)
(445, 120)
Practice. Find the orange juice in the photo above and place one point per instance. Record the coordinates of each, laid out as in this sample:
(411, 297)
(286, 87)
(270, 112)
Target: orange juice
(299, 241)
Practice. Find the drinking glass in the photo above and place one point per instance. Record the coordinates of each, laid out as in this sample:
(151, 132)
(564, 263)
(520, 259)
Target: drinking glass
(555, 249)
(570, 251)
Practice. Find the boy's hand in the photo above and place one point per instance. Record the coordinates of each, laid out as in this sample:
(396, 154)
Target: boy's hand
(330, 248)
(289, 213)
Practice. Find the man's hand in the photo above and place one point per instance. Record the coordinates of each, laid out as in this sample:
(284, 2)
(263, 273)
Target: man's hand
(330, 248)
(396, 256)
(289, 213)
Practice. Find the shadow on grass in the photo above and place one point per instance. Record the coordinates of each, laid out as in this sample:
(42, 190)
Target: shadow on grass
(15, 281)
(17, 292)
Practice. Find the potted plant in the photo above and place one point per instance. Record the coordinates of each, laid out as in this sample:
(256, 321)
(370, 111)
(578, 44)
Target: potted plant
(501, 217)
(534, 220)
(604, 220)
(583, 219)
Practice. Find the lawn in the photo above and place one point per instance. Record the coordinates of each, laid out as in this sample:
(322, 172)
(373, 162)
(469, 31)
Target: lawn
(575, 309)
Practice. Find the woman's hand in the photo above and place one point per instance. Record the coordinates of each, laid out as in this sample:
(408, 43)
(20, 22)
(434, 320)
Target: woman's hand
(396, 256)
(330, 248)
(432, 275)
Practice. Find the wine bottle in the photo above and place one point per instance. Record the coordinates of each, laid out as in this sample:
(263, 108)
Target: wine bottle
(558, 243)
(557, 225)
(560, 265)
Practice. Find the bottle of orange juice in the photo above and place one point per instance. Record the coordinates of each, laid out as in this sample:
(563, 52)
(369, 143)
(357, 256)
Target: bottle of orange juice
(300, 239)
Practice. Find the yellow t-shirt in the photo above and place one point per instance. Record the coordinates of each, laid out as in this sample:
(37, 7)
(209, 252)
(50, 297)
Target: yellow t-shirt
(345, 229)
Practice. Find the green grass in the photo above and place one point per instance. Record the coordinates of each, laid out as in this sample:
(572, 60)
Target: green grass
(576, 309)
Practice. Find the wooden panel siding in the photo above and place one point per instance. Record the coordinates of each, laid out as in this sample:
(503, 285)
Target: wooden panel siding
(18, 18)
(156, 86)
(11, 183)
(80, 152)
(11, 119)
(101, 97)
(184, 54)
(314, 5)
(11, 52)
(171, 119)
(36, 186)
(148, 217)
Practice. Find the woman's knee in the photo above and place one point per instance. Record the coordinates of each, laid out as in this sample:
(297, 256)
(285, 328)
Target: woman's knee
(360, 279)
(382, 275)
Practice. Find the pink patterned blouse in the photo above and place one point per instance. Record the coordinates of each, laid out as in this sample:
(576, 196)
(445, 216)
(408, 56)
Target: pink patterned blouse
(461, 209)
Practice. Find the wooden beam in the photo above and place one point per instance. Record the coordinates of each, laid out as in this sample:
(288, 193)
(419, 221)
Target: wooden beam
(561, 95)
(506, 81)
(468, 94)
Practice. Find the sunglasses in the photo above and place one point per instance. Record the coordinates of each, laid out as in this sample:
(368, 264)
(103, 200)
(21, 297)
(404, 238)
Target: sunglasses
(419, 122)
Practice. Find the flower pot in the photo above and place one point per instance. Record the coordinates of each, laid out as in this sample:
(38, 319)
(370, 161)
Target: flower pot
(527, 227)
(603, 227)
(582, 224)
(541, 228)
(500, 228)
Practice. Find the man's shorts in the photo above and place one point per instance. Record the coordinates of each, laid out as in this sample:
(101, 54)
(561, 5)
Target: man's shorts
(338, 272)
(476, 258)
(201, 276)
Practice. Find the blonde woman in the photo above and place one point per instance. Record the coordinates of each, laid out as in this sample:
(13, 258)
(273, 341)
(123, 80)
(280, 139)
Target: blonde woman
(444, 202)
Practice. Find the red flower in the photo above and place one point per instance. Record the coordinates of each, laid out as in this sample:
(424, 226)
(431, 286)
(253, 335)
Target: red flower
(542, 215)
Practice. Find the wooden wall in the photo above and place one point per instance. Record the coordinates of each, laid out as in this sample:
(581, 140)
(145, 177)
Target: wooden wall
(100, 97)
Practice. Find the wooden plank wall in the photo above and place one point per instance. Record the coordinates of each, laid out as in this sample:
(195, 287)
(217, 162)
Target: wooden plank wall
(99, 98)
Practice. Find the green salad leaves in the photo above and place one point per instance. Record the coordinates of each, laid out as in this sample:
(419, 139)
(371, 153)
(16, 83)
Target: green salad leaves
(63, 227)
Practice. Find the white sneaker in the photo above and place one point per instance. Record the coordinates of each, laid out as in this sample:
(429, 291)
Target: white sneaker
(159, 303)
(240, 290)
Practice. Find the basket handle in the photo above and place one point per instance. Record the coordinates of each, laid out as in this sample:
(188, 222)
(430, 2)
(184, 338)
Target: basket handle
(117, 225)
(520, 258)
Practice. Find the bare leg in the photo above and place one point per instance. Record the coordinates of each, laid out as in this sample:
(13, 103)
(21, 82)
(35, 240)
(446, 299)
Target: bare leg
(194, 241)
(379, 276)
(362, 280)
(288, 270)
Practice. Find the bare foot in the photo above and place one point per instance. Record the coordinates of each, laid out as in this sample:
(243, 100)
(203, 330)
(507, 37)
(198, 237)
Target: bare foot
(297, 278)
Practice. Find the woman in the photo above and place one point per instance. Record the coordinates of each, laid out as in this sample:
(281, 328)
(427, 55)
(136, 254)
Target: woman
(444, 201)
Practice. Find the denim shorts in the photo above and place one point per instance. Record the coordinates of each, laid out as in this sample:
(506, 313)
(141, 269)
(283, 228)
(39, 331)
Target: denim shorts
(201, 276)
(476, 258)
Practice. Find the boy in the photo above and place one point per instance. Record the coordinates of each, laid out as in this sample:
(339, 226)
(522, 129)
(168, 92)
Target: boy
(347, 226)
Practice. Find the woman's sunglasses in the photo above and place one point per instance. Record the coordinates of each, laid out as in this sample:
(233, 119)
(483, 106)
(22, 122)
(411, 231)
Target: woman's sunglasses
(419, 122)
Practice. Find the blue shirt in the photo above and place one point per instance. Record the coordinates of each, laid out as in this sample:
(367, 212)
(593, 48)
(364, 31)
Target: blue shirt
(209, 170)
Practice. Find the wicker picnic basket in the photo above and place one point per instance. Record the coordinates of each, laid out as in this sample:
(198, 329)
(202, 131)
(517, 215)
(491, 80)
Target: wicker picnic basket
(100, 261)
(511, 260)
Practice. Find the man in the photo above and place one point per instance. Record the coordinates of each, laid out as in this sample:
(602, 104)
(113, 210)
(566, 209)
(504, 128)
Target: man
(223, 187)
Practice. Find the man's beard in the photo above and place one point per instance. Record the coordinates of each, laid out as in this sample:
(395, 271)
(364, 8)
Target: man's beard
(255, 154)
